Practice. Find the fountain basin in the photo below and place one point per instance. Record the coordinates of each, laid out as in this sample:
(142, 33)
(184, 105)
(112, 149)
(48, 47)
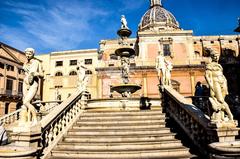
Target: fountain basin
(125, 52)
(122, 88)
(124, 32)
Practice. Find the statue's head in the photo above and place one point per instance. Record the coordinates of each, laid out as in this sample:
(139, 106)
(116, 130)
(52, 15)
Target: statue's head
(160, 53)
(29, 52)
(123, 16)
(214, 56)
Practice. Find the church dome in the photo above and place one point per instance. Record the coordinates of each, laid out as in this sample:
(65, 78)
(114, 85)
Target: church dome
(158, 18)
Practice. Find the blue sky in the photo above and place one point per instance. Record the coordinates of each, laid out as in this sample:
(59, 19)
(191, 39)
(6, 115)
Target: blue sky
(57, 25)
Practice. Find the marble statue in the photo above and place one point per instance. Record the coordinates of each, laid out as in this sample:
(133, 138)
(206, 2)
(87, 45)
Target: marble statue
(57, 95)
(3, 135)
(218, 89)
(33, 70)
(82, 78)
(125, 69)
(168, 70)
(161, 68)
(124, 22)
(84, 84)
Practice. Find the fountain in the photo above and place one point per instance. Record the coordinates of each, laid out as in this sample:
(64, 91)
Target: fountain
(125, 52)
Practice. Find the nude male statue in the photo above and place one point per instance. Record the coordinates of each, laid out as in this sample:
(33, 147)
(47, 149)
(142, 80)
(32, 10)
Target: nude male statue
(218, 89)
(82, 78)
(33, 70)
(169, 68)
(161, 68)
(124, 22)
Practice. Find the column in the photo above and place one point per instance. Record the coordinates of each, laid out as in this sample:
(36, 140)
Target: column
(192, 78)
(145, 92)
(99, 86)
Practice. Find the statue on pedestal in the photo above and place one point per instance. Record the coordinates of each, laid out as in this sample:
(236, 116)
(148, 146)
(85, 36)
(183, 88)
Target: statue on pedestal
(161, 68)
(218, 89)
(33, 70)
(124, 22)
(82, 78)
(169, 68)
(57, 95)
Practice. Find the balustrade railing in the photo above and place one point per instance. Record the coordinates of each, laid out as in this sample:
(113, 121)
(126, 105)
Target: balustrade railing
(10, 118)
(196, 125)
(59, 120)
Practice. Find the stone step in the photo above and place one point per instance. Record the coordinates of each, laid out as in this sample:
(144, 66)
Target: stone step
(173, 141)
(119, 139)
(120, 127)
(122, 113)
(123, 122)
(116, 118)
(119, 132)
(177, 153)
(119, 146)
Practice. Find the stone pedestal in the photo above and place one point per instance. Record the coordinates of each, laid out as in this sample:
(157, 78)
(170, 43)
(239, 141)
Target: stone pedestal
(27, 136)
(25, 142)
(226, 130)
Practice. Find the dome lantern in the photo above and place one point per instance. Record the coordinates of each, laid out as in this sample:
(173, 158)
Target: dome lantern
(158, 18)
(155, 2)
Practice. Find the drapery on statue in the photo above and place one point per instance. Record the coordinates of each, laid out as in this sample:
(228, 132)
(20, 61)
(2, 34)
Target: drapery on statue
(218, 89)
(33, 70)
(124, 22)
(82, 78)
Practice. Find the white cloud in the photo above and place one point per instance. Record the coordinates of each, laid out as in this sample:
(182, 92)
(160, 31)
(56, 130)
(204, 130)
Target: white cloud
(58, 25)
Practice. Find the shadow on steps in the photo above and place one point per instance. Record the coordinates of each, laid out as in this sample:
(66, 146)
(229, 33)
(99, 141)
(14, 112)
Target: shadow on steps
(180, 135)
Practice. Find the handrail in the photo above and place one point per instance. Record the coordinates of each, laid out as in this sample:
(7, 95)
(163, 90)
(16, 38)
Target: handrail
(59, 120)
(14, 116)
(198, 126)
(11, 117)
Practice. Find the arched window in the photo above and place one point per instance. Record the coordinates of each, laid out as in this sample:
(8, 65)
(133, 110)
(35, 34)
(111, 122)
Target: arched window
(88, 72)
(73, 73)
(58, 74)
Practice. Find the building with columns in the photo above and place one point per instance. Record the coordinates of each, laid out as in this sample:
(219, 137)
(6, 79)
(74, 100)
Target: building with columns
(158, 31)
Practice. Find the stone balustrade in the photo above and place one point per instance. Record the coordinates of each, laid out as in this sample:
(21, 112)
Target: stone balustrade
(10, 118)
(38, 140)
(59, 120)
(195, 123)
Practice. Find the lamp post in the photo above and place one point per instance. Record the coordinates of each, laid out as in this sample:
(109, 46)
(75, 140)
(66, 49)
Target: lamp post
(238, 28)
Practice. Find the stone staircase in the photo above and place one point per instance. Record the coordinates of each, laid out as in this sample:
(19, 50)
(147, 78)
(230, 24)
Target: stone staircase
(120, 134)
